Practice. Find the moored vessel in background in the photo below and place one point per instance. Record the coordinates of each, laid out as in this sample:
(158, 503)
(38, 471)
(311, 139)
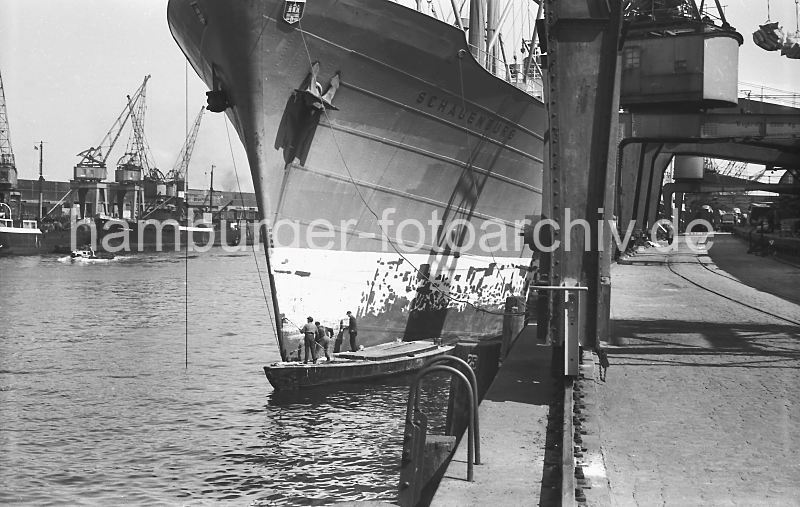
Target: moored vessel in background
(17, 235)
(380, 149)
(20, 238)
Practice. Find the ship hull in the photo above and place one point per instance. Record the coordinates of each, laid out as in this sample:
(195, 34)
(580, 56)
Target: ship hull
(379, 202)
(414, 296)
(152, 236)
(19, 241)
(36, 242)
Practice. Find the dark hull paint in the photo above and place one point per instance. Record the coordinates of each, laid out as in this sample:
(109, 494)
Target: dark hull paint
(44, 243)
(19, 243)
(163, 235)
(421, 128)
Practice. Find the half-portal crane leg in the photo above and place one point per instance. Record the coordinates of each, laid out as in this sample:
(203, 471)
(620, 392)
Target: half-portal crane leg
(582, 41)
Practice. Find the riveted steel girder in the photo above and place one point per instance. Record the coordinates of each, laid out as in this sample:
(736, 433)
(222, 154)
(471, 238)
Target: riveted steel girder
(582, 98)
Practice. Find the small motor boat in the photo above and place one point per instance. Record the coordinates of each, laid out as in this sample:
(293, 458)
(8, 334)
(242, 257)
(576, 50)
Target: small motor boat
(89, 253)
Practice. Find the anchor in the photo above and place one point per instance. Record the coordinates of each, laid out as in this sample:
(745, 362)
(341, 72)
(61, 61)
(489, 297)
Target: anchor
(311, 91)
(304, 108)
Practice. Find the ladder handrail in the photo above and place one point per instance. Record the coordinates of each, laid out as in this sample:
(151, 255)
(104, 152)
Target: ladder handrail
(474, 380)
(413, 403)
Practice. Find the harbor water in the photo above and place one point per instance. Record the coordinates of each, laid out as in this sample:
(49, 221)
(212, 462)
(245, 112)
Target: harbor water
(98, 406)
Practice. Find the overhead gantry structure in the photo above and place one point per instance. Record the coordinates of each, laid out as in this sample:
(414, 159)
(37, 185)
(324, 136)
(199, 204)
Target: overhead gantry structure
(673, 69)
(753, 132)
(679, 89)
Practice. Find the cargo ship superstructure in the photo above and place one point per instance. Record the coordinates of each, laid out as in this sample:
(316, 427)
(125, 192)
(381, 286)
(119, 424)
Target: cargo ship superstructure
(393, 169)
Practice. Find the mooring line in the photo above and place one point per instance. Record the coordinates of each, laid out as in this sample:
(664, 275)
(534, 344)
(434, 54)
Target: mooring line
(434, 286)
(274, 322)
(186, 253)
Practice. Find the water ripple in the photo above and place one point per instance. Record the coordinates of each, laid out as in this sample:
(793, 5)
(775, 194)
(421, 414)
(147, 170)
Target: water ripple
(97, 406)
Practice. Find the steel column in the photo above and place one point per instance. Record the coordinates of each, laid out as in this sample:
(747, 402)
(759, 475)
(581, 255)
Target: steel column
(657, 168)
(639, 184)
(582, 41)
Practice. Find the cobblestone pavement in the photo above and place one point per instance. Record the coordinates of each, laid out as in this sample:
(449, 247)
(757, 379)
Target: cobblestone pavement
(702, 400)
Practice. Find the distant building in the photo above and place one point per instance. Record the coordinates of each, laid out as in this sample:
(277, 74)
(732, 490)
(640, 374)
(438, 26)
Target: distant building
(59, 200)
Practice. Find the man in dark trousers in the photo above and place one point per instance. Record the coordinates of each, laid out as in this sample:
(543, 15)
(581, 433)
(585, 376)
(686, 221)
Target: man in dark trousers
(353, 331)
(309, 333)
(340, 336)
(323, 339)
(602, 355)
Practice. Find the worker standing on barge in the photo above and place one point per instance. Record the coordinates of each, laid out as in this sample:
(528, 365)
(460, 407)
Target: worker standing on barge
(353, 331)
(309, 333)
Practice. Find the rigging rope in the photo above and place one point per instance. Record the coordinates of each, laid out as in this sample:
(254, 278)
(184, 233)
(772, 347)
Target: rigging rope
(185, 188)
(466, 130)
(434, 287)
(256, 234)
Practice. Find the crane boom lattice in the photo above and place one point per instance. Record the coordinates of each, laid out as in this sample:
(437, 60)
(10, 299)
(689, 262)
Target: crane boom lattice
(137, 161)
(6, 153)
(92, 164)
(181, 167)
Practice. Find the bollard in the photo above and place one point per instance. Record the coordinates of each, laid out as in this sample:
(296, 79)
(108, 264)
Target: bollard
(513, 322)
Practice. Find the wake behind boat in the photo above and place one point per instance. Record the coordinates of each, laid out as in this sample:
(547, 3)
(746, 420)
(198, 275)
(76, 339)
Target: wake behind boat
(370, 363)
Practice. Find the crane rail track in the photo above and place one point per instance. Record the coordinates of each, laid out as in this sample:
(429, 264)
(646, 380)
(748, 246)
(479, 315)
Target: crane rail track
(567, 446)
(701, 286)
(716, 272)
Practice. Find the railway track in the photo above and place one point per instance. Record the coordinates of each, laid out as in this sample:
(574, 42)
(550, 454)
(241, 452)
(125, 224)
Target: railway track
(717, 272)
(568, 492)
(573, 485)
(574, 456)
(670, 266)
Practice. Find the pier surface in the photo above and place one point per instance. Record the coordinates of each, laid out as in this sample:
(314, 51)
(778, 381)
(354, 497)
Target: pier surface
(701, 405)
(513, 430)
(702, 400)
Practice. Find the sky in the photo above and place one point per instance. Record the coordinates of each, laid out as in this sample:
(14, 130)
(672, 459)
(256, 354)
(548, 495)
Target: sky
(67, 67)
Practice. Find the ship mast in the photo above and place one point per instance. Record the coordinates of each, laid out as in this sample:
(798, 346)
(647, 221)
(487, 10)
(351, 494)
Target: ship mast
(211, 193)
(493, 20)
(41, 179)
(477, 27)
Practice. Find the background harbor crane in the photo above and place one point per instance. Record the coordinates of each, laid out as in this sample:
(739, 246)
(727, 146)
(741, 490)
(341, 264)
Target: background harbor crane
(92, 165)
(8, 169)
